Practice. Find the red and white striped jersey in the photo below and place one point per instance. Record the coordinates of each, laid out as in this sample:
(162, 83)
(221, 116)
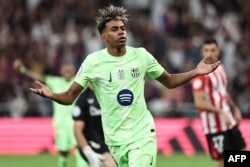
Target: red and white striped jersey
(214, 85)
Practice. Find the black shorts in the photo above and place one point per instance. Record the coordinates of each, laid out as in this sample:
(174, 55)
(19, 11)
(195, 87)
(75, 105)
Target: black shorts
(98, 147)
(228, 140)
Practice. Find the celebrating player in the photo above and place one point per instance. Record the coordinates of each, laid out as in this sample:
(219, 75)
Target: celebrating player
(117, 74)
(220, 116)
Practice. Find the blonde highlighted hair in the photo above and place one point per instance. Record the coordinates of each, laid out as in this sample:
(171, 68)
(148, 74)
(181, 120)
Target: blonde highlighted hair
(110, 13)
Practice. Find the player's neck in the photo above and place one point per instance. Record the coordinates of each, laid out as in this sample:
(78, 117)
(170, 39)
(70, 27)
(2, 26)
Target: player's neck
(117, 52)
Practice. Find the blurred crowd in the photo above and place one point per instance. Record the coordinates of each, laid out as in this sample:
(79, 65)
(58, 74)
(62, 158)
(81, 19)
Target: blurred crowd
(46, 33)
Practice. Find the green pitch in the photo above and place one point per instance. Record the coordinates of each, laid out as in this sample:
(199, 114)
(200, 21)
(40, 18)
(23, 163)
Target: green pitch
(47, 160)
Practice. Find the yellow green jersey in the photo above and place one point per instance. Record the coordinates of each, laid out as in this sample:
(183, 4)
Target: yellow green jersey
(118, 83)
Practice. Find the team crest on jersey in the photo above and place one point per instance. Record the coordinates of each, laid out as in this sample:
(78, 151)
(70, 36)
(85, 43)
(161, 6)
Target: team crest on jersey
(121, 74)
(135, 72)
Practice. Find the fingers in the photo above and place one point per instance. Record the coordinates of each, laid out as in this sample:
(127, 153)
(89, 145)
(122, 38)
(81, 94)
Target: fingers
(39, 83)
(16, 64)
(215, 65)
(37, 91)
(33, 90)
(101, 157)
(204, 59)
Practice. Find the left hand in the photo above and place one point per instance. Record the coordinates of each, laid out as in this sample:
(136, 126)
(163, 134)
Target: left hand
(204, 68)
(237, 115)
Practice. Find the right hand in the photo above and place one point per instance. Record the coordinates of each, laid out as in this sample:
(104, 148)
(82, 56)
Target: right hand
(94, 159)
(17, 64)
(226, 118)
(43, 91)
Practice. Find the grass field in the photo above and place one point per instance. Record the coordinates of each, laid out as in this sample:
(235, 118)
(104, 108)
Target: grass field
(48, 160)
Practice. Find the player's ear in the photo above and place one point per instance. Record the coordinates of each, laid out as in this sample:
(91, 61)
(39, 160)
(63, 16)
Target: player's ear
(103, 37)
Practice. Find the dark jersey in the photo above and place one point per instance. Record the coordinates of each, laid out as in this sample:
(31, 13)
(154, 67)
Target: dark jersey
(88, 110)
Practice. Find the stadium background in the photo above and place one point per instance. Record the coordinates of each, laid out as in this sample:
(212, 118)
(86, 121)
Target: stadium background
(45, 33)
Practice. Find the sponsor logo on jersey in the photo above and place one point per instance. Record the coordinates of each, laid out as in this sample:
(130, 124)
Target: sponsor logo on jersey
(135, 72)
(125, 97)
(93, 111)
(90, 100)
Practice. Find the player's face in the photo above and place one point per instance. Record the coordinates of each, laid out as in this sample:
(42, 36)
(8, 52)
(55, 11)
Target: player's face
(67, 71)
(115, 34)
(211, 51)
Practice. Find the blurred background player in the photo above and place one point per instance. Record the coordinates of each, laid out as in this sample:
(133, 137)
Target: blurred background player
(220, 116)
(62, 114)
(88, 131)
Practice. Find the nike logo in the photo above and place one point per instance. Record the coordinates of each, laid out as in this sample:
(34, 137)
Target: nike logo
(151, 163)
(110, 77)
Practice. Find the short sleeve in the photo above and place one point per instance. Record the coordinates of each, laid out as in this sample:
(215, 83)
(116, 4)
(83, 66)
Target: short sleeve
(198, 83)
(84, 74)
(154, 69)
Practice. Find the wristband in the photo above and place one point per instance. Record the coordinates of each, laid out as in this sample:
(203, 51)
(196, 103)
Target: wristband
(22, 69)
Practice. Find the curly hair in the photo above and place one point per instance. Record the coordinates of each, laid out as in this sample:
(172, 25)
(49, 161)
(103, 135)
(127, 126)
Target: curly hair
(110, 13)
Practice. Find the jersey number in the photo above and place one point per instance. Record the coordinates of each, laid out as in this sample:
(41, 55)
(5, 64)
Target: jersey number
(218, 143)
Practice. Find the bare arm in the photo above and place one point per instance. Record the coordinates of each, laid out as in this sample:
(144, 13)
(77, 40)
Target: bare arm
(78, 129)
(18, 65)
(94, 159)
(231, 102)
(65, 98)
(236, 110)
(174, 80)
(201, 103)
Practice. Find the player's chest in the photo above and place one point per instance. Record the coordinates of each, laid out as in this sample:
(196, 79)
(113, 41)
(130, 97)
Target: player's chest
(117, 74)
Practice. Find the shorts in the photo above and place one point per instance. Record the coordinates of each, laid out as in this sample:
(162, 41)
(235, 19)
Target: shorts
(64, 137)
(141, 153)
(229, 140)
(98, 147)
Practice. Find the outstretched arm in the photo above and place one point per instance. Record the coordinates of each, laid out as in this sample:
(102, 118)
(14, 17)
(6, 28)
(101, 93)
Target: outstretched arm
(174, 80)
(19, 66)
(65, 98)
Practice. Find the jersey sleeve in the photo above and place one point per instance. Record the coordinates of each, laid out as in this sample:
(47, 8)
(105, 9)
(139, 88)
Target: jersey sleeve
(154, 69)
(85, 72)
(198, 83)
(81, 109)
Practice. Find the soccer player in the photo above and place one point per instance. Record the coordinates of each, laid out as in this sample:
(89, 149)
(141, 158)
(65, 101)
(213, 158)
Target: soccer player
(62, 115)
(117, 74)
(219, 115)
(88, 131)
